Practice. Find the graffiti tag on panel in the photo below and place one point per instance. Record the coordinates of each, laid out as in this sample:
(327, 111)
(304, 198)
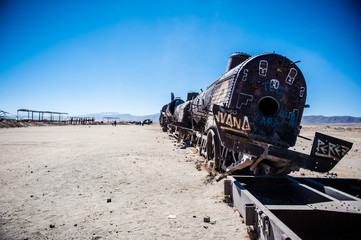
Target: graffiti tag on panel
(302, 91)
(270, 122)
(289, 118)
(245, 74)
(273, 86)
(231, 119)
(263, 66)
(291, 76)
(243, 100)
(329, 147)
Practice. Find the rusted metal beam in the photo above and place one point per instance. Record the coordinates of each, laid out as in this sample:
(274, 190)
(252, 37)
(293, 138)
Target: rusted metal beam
(297, 208)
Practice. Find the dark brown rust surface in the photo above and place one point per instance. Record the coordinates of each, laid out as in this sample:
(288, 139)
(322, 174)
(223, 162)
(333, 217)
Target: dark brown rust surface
(256, 108)
(271, 91)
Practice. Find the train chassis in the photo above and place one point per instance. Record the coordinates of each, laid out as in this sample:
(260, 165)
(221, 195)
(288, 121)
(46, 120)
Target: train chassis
(222, 159)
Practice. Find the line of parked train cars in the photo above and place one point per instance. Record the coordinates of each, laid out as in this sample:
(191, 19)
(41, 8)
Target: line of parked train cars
(249, 117)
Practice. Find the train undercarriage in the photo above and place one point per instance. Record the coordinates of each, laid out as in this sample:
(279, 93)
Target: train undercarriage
(222, 159)
(252, 157)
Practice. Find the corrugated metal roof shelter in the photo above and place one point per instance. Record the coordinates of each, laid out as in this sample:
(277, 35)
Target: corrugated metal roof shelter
(41, 115)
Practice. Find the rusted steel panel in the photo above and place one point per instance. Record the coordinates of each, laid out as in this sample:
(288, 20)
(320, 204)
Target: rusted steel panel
(256, 108)
(172, 106)
(182, 115)
(191, 95)
(287, 208)
(329, 147)
(272, 90)
(235, 59)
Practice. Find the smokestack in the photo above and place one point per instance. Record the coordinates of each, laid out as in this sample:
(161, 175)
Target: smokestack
(192, 95)
(235, 59)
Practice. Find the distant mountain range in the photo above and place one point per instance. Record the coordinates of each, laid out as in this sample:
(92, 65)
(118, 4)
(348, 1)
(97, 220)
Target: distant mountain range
(321, 120)
(311, 120)
(120, 117)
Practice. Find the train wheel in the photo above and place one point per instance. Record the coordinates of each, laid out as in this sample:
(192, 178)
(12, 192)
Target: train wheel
(213, 149)
(193, 139)
(179, 137)
(199, 146)
(204, 148)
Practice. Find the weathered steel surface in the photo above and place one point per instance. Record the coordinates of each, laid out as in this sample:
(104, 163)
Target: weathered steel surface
(255, 108)
(235, 133)
(235, 59)
(272, 90)
(191, 95)
(172, 106)
(329, 147)
(297, 208)
(268, 89)
(182, 115)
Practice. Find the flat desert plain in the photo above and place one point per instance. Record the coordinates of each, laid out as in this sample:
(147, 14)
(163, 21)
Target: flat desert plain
(123, 182)
(106, 182)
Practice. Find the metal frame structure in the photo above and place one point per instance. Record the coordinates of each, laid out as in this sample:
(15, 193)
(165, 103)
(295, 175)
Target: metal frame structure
(297, 208)
(41, 115)
(81, 120)
(3, 114)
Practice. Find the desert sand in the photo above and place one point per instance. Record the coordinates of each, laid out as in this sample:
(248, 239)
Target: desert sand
(123, 182)
(106, 182)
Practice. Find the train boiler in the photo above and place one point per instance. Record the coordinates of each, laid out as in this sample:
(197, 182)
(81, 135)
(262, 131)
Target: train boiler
(250, 117)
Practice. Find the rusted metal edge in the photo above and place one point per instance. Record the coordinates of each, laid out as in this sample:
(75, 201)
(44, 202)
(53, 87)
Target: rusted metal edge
(308, 209)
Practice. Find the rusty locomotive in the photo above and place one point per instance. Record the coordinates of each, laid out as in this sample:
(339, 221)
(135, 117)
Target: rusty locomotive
(249, 118)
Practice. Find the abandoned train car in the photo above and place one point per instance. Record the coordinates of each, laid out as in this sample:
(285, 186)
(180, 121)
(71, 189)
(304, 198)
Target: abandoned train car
(249, 117)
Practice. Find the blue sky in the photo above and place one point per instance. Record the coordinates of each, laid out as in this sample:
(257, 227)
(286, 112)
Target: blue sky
(85, 57)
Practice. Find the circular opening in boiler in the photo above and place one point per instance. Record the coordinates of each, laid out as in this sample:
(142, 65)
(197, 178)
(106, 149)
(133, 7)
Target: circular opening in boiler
(268, 106)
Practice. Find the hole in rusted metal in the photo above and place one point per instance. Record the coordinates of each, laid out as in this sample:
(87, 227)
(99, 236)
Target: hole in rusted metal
(268, 106)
